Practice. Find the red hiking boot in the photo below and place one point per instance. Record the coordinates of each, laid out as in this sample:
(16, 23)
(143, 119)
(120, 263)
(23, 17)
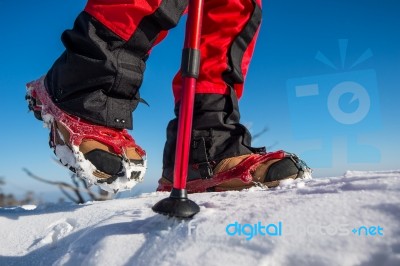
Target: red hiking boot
(245, 171)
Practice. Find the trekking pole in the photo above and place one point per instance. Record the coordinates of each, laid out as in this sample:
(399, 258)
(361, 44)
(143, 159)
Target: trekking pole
(178, 204)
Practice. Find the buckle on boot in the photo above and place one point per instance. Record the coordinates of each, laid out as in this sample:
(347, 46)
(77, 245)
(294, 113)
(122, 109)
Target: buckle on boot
(205, 170)
(199, 153)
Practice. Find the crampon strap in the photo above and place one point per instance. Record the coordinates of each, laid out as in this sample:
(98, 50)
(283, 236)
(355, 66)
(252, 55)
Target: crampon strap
(78, 128)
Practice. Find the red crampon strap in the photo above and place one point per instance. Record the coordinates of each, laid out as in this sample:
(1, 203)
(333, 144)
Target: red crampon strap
(78, 128)
(242, 171)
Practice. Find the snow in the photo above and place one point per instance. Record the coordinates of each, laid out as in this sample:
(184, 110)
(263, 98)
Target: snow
(316, 217)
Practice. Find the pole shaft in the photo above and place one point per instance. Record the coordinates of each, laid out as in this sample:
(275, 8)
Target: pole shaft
(192, 41)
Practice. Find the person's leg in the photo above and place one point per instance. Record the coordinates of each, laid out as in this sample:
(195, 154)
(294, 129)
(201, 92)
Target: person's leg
(219, 141)
(97, 80)
(229, 32)
(99, 74)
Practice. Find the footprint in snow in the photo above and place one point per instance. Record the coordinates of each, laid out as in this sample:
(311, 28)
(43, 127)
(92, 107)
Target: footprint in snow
(55, 232)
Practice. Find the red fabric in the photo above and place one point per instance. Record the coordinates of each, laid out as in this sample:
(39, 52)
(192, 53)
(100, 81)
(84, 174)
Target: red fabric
(121, 16)
(223, 20)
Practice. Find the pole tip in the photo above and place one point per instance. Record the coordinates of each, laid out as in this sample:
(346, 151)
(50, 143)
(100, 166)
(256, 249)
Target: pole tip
(177, 205)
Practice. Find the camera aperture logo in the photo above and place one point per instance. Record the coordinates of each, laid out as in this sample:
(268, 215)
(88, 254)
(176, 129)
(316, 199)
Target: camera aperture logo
(251, 230)
(344, 103)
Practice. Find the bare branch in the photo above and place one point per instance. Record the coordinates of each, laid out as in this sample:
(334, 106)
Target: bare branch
(75, 181)
(91, 194)
(75, 189)
(270, 147)
(68, 195)
(259, 134)
(96, 196)
(55, 183)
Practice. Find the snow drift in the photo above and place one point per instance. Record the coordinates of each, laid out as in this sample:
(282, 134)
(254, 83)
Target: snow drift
(348, 220)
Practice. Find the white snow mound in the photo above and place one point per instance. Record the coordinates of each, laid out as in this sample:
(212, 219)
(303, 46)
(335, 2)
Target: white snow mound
(348, 220)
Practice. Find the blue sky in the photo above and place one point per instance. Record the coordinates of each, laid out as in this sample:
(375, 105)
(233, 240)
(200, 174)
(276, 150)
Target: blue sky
(292, 34)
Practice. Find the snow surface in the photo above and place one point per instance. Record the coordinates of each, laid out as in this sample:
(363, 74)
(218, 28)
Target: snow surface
(316, 219)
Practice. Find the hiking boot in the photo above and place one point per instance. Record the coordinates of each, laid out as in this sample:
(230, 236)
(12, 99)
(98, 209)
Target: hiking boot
(221, 156)
(244, 171)
(104, 156)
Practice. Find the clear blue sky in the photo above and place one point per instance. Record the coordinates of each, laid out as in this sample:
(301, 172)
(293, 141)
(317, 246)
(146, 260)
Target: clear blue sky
(284, 67)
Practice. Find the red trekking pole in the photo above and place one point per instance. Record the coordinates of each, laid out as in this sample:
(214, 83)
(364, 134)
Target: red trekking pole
(178, 204)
